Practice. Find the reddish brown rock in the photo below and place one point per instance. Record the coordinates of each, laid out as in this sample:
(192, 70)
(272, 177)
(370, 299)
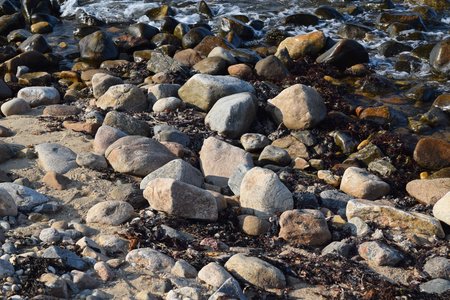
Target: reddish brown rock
(89, 128)
(56, 181)
(431, 153)
(241, 71)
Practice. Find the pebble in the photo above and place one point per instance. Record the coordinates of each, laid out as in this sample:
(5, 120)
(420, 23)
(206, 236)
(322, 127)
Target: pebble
(39, 95)
(83, 280)
(150, 259)
(334, 200)
(184, 269)
(358, 227)
(5, 132)
(298, 107)
(181, 199)
(274, 155)
(61, 110)
(176, 169)
(394, 218)
(214, 274)
(219, 160)
(263, 194)
(359, 183)
(16, 106)
(54, 285)
(254, 142)
(112, 244)
(428, 191)
(137, 155)
(110, 212)
(305, 227)
(253, 225)
(167, 104)
(256, 271)
(49, 235)
(103, 271)
(379, 254)
(338, 248)
(56, 157)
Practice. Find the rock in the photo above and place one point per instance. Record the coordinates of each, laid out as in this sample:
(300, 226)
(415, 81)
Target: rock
(127, 124)
(214, 274)
(224, 54)
(253, 225)
(55, 180)
(230, 24)
(344, 54)
(6, 269)
(439, 5)
(6, 152)
(55, 157)
(440, 58)
(5, 91)
(440, 209)
(298, 107)
(105, 136)
(304, 227)
(31, 59)
(334, 200)
(379, 254)
(274, 155)
(143, 30)
(241, 71)
(184, 269)
(328, 13)
(211, 66)
(168, 104)
(432, 153)
(232, 115)
(110, 213)
(187, 57)
(103, 271)
(85, 127)
(382, 166)
(256, 271)
(159, 62)
(8, 206)
(15, 106)
(367, 154)
(181, 199)
(359, 183)
(301, 19)
(229, 289)
(438, 267)
(83, 280)
(54, 285)
(271, 68)
(67, 257)
(36, 42)
(9, 22)
(234, 183)
(435, 286)
(172, 135)
(150, 259)
(98, 46)
(61, 110)
(358, 227)
(125, 97)
(354, 31)
(254, 142)
(219, 160)
(303, 45)
(194, 36)
(428, 191)
(203, 90)
(50, 235)
(164, 90)
(92, 161)
(338, 248)
(395, 219)
(39, 95)
(101, 82)
(263, 194)
(25, 198)
(392, 48)
(176, 169)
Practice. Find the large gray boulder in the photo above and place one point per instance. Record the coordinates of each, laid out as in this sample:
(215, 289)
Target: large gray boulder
(231, 116)
(56, 157)
(203, 90)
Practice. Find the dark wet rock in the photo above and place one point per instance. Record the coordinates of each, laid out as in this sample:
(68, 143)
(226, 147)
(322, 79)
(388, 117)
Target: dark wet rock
(127, 123)
(344, 141)
(246, 56)
(84, 18)
(392, 48)
(274, 36)
(271, 68)
(158, 13)
(33, 7)
(328, 13)
(181, 30)
(440, 57)
(98, 47)
(18, 35)
(82, 31)
(228, 24)
(211, 42)
(194, 37)
(204, 9)
(10, 22)
(439, 5)
(301, 19)
(443, 102)
(382, 166)
(163, 38)
(143, 30)
(169, 24)
(411, 19)
(432, 153)
(353, 31)
(367, 154)
(257, 24)
(344, 54)
(8, 7)
(423, 92)
(36, 42)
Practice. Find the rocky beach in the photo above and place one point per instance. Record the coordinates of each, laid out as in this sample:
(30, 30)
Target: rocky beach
(224, 149)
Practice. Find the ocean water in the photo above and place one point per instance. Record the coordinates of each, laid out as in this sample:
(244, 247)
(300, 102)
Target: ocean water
(272, 13)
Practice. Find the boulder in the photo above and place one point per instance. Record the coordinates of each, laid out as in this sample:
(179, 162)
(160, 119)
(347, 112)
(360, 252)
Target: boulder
(441, 209)
(231, 116)
(98, 46)
(110, 213)
(151, 259)
(127, 123)
(298, 107)
(137, 155)
(379, 254)
(39, 95)
(344, 54)
(302, 45)
(432, 153)
(203, 90)
(428, 191)
(214, 274)
(360, 183)
(219, 160)
(181, 199)
(101, 82)
(37, 43)
(105, 136)
(271, 68)
(56, 157)
(263, 194)
(16, 106)
(24, 197)
(411, 223)
(304, 227)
